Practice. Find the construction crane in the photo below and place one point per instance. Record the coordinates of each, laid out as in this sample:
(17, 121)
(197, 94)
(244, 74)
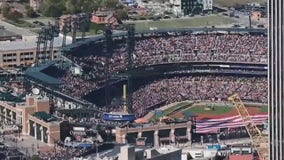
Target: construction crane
(259, 142)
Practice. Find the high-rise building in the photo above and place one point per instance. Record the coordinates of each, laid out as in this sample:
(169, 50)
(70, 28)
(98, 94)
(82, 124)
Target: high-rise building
(276, 79)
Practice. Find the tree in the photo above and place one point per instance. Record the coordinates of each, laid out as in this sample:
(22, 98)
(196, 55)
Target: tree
(112, 4)
(122, 14)
(6, 9)
(88, 6)
(77, 6)
(53, 8)
(54, 11)
(71, 6)
(9, 14)
(97, 4)
(29, 11)
(15, 16)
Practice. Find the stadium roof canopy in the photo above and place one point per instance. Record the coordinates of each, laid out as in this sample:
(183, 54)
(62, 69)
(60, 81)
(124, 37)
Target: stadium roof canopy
(42, 115)
(35, 73)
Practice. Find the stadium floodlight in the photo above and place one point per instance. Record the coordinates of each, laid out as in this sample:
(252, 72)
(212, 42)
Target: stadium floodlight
(56, 29)
(65, 29)
(54, 32)
(45, 35)
(74, 27)
(84, 23)
(40, 40)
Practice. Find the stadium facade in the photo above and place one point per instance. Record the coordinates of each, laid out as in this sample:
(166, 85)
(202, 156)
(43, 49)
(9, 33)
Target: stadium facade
(276, 79)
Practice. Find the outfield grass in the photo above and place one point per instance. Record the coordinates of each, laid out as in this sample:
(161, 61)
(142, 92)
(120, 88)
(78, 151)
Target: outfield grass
(264, 109)
(168, 111)
(209, 21)
(175, 107)
(232, 3)
(217, 110)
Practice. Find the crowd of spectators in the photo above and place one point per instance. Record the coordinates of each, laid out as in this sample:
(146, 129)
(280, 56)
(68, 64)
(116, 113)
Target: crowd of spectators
(61, 153)
(163, 49)
(77, 86)
(171, 49)
(198, 88)
(208, 47)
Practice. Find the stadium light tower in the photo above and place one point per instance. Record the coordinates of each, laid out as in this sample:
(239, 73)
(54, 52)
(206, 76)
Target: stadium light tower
(47, 33)
(66, 28)
(55, 33)
(84, 23)
(72, 24)
(74, 27)
(40, 40)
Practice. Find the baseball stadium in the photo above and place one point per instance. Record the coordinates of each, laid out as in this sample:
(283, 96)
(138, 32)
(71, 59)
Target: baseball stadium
(165, 75)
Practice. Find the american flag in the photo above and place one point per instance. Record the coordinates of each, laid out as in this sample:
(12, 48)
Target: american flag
(214, 125)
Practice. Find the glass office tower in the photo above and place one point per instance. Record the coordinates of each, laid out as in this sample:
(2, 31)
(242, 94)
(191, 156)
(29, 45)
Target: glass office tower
(276, 78)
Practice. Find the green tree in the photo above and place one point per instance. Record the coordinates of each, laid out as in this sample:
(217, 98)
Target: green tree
(112, 4)
(71, 6)
(122, 14)
(77, 6)
(6, 9)
(29, 11)
(15, 16)
(9, 14)
(88, 6)
(53, 8)
(54, 11)
(98, 4)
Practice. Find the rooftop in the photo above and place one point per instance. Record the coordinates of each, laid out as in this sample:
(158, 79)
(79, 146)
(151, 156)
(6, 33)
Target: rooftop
(5, 33)
(36, 74)
(9, 97)
(30, 43)
(43, 116)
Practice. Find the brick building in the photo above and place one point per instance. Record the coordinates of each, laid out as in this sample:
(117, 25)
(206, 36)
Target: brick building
(33, 118)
